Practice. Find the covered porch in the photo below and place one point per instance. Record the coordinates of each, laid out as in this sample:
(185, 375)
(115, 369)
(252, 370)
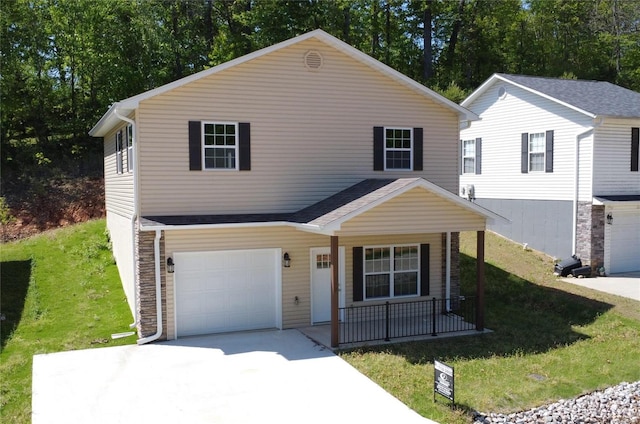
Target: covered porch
(379, 208)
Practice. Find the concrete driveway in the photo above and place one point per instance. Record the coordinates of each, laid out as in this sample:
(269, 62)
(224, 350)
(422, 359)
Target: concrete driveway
(623, 284)
(253, 377)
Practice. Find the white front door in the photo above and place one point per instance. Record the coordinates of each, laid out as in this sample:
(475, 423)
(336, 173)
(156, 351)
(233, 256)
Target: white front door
(321, 283)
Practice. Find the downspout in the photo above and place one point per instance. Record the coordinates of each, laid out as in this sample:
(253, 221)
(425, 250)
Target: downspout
(447, 287)
(576, 182)
(134, 217)
(156, 253)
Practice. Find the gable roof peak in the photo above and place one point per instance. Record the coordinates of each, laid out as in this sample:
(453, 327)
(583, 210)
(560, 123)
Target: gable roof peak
(590, 97)
(124, 107)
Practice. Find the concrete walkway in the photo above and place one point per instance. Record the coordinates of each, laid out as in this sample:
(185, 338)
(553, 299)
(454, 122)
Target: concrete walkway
(625, 285)
(253, 377)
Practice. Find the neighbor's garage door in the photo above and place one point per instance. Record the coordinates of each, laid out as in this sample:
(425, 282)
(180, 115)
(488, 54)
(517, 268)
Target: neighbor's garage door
(625, 241)
(226, 291)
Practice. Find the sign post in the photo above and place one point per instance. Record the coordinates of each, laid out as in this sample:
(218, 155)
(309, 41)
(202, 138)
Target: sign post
(443, 381)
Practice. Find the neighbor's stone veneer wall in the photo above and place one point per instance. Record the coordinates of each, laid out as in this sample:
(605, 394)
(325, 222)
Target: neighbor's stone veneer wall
(455, 264)
(590, 234)
(146, 285)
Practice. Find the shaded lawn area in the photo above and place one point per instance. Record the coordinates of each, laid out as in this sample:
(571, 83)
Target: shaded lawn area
(59, 291)
(14, 282)
(550, 340)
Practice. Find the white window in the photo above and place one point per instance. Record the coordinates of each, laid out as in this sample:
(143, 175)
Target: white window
(391, 271)
(398, 148)
(536, 152)
(129, 148)
(220, 145)
(468, 156)
(119, 148)
(323, 261)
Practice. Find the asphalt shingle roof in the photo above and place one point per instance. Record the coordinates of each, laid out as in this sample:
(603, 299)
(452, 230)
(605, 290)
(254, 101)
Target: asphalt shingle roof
(321, 213)
(622, 198)
(596, 97)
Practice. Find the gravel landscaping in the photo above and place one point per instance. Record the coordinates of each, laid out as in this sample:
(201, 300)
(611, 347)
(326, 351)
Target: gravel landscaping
(616, 405)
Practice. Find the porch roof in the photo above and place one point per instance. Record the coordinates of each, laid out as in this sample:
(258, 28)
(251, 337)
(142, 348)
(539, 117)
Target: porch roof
(617, 199)
(325, 216)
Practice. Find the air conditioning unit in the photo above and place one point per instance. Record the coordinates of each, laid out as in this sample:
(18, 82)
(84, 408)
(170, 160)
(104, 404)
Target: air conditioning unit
(469, 191)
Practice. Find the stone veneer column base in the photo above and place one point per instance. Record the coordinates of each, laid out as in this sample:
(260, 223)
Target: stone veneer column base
(146, 285)
(590, 234)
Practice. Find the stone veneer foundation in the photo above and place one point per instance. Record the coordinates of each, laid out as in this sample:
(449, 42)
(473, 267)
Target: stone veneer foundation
(590, 235)
(146, 285)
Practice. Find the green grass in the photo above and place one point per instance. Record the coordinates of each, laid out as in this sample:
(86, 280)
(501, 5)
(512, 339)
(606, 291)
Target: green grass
(59, 291)
(551, 340)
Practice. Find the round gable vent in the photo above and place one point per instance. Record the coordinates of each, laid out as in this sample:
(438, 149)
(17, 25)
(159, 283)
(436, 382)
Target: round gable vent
(502, 92)
(313, 60)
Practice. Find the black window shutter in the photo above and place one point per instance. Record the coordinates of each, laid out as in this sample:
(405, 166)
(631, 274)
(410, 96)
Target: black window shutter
(424, 269)
(358, 281)
(418, 149)
(635, 148)
(549, 152)
(378, 148)
(125, 147)
(524, 162)
(244, 145)
(195, 146)
(478, 156)
(461, 157)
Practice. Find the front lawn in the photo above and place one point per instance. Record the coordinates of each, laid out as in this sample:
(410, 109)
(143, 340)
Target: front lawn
(550, 340)
(59, 291)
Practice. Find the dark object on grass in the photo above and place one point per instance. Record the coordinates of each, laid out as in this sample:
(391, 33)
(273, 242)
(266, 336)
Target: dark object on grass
(583, 271)
(565, 267)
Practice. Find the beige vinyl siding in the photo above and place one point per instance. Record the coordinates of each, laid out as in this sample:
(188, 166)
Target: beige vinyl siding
(416, 211)
(121, 237)
(118, 188)
(612, 159)
(296, 279)
(501, 125)
(311, 134)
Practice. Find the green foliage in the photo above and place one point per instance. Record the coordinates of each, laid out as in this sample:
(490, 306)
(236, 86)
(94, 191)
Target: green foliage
(5, 212)
(454, 93)
(569, 76)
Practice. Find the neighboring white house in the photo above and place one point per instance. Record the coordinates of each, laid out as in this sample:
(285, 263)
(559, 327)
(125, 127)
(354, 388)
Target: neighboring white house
(559, 159)
(271, 190)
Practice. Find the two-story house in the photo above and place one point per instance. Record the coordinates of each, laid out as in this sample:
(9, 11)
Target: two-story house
(559, 159)
(272, 190)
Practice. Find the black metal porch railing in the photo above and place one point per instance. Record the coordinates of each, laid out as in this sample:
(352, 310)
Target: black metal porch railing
(406, 319)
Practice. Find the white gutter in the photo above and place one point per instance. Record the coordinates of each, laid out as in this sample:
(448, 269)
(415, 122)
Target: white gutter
(169, 227)
(576, 182)
(135, 204)
(156, 254)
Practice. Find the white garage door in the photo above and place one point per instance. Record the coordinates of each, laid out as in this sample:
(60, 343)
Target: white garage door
(625, 241)
(226, 291)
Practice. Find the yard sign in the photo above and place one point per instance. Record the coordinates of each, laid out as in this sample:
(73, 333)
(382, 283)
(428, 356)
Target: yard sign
(443, 381)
